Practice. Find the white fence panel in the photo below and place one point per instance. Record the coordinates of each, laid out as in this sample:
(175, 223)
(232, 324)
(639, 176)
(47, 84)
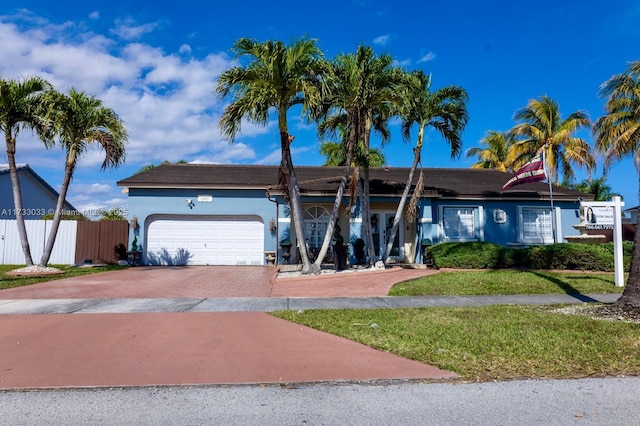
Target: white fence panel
(64, 250)
(11, 251)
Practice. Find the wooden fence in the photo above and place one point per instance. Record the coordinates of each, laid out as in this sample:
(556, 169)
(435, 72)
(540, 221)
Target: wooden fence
(97, 241)
(76, 241)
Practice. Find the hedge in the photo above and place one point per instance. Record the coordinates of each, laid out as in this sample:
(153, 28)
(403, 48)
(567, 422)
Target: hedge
(571, 256)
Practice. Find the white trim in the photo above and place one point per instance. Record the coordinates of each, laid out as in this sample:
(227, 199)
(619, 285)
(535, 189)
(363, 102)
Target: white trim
(543, 240)
(284, 220)
(355, 220)
(558, 212)
(481, 222)
(478, 231)
(425, 220)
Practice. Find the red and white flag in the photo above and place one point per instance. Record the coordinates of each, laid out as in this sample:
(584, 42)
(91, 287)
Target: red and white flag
(533, 171)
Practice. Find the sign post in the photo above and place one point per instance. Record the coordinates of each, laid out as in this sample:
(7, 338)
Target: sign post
(608, 215)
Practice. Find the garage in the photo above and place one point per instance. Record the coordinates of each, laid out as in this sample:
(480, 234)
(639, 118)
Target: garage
(205, 241)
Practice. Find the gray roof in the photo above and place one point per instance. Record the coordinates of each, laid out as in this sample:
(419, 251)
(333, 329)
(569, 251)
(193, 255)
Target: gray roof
(438, 182)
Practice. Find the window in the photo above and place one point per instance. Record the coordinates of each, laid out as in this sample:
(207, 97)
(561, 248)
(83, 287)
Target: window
(460, 223)
(536, 225)
(316, 222)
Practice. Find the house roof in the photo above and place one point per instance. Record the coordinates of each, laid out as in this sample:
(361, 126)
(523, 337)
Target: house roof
(384, 181)
(24, 168)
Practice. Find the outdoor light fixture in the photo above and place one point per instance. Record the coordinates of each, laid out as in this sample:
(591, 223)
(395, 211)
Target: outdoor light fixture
(272, 225)
(134, 222)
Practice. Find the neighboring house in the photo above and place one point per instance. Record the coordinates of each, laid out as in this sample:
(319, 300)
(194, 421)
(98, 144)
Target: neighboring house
(38, 197)
(633, 211)
(233, 214)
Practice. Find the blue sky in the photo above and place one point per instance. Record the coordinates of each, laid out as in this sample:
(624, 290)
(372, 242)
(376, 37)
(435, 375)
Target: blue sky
(156, 64)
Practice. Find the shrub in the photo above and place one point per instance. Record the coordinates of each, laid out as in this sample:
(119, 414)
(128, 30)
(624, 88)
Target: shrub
(571, 256)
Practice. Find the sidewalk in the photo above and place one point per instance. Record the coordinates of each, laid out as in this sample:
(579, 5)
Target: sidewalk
(130, 329)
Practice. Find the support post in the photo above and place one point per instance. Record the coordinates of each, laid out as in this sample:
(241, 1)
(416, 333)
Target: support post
(618, 261)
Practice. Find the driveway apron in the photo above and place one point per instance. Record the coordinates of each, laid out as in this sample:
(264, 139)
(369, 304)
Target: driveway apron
(147, 349)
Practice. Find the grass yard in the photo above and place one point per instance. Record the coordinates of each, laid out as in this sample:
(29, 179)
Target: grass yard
(506, 281)
(7, 281)
(490, 343)
(494, 342)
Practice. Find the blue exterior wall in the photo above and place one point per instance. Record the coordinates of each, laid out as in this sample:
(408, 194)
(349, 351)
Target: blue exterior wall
(37, 199)
(506, 233)
(144, 203)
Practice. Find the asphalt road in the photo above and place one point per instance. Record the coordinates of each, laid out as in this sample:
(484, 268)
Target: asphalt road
(607, 401)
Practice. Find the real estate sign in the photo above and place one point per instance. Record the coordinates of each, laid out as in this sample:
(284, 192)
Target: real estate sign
(607, 215)
(597, 215)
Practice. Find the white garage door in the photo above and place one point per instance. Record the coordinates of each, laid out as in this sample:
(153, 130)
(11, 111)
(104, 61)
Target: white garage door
(197, 241)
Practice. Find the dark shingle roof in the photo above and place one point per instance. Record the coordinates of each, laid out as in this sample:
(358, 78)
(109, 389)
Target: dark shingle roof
(438, 182)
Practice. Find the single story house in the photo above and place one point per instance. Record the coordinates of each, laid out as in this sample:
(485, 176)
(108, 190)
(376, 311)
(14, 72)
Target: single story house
(207, 214)
(38, 197)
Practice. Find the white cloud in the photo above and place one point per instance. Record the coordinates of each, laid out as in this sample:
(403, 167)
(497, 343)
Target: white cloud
(426, 58)
(185, 49)
(404, 63)
(94, 15)
(381, 40)
(166, 100)
(127, 29)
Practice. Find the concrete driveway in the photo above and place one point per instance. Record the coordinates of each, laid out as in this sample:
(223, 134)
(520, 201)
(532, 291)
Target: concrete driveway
(177, 348)
(155, 282)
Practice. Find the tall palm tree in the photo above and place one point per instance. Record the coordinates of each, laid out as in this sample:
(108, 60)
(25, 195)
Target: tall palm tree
(495, 154)
(541, 126)
(83, 121)
(277, 77)
(22, 106)
(446, 111)
(362, 91)
(618, 135)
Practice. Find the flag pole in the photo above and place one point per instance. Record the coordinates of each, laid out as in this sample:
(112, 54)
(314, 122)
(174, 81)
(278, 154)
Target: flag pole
(553, 212)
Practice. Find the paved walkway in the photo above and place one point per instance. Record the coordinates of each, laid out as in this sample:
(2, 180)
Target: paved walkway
(203, 325)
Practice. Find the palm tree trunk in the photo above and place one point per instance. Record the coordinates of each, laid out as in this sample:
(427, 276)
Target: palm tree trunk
(17, 198)
(333, 217)
(403, 200)
(57, 215)
(366, 206)
(630, 299)
(295, 202)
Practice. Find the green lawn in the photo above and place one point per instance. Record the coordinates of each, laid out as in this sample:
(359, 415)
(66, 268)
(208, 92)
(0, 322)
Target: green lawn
(7, 281)
(490, 343)
(501, 281)
(494, 342)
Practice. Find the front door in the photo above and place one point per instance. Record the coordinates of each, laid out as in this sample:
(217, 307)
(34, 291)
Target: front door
(381, 224)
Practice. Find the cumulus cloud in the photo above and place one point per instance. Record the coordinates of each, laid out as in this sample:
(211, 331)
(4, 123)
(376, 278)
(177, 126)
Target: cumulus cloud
(166, 100)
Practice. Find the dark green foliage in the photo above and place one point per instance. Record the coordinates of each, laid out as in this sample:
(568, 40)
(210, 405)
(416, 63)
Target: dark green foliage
(571, 256)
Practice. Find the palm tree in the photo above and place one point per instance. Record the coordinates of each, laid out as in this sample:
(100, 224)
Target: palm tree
(496, 152)
(446, 111)
(596, 187)
(362, 94)
(618, 135)
(22, 106)
(336, 155)
(82, 121)
(543, 127)
(277, 78)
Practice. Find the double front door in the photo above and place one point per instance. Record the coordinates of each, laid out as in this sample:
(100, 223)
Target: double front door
(381, 224)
